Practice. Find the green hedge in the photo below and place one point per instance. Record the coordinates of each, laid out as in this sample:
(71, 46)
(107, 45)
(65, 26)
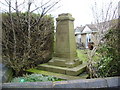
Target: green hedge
(41, 41)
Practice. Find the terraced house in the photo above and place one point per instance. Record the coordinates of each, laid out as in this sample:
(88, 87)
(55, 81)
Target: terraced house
(90, 32)
(85, 34)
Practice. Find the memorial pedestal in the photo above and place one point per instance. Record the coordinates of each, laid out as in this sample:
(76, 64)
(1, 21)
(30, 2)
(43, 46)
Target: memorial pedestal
(65, 58)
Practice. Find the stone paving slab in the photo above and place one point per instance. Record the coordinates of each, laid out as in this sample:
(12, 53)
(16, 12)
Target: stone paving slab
(96, 83)
(28, 85)
(111, 82)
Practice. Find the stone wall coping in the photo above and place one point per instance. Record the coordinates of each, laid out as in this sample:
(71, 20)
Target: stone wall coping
(108, 82)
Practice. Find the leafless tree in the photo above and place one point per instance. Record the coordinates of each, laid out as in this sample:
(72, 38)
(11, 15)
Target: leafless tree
(105, 18)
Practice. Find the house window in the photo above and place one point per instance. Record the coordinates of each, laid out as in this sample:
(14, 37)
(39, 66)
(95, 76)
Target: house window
(89, 39)
(80, 39)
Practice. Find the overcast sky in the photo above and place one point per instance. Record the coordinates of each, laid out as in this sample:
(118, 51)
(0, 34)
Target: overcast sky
(81, 10)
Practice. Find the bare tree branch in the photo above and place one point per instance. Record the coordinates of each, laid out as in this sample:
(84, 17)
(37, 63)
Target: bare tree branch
(11, 18)
(21, 38)
(21, 3)
(107, 12)
(47, 7)
(29, 28)
(102, 19)
(4, 4)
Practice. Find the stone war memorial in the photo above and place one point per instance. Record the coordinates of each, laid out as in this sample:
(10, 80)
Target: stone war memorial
(65, 60)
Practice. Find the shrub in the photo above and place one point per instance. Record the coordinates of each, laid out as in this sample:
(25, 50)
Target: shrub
(110, 51)
(16, 51)
(36, 78)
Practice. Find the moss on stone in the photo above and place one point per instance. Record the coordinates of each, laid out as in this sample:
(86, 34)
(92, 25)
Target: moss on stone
(62, 76)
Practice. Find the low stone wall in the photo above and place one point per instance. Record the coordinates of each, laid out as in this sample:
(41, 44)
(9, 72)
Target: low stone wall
(6, 73)
(110, 82)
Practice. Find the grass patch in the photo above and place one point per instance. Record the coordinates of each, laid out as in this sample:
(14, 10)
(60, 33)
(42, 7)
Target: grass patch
(36, 78)
(82, 55)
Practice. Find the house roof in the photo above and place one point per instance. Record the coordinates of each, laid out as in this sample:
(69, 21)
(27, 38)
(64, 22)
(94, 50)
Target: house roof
(80, 28)
(95, 27)
(91, 26)
(108, 24)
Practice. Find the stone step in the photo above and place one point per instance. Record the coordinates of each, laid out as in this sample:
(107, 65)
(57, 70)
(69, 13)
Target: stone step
(64, 70)
(84, 75)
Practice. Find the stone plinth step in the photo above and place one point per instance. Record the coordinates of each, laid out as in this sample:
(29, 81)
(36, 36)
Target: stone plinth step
(58, 75)
(64, 70)
(61, 62)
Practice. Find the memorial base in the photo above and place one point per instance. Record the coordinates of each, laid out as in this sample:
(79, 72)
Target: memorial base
(74, 71)
(62, 62)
